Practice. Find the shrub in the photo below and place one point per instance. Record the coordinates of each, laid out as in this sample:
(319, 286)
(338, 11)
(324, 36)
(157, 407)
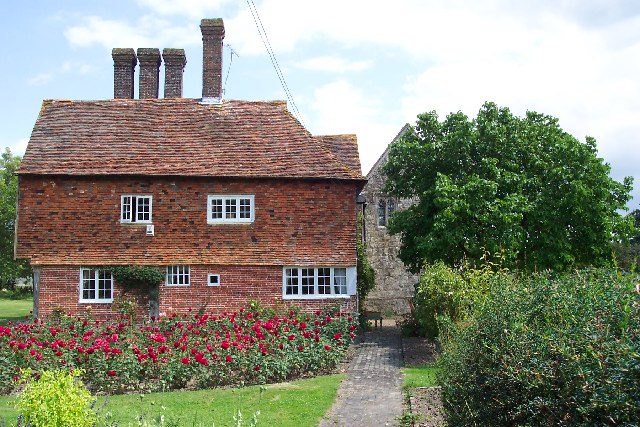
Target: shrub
(547, 350)
(174, 352)
(132, 277)
(445, 292)
(366, 275)
(57, 399)
(439, 292)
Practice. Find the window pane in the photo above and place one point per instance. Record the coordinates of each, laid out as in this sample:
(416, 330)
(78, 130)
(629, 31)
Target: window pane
(245, 208)
(126, 209)
(105, 284)
(308, 281)
(340, 281)
(382, 213)
(216, 208)
(88, 285)
(324, 281)
(391, 207)
(291, 279)
(230, 208)
(144, 209)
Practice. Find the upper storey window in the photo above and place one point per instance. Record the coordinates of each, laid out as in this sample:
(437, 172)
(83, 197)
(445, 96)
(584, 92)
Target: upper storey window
(230, 209)
(135, 208)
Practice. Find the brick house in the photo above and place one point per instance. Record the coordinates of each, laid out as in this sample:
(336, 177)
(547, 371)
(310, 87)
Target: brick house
(233, 200)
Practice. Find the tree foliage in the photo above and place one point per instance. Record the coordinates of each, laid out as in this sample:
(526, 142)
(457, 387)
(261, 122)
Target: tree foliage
(521, 187)
(10, 269)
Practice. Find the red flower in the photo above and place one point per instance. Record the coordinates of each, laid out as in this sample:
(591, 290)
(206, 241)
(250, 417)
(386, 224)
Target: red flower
(185, 360)
(326, 347)
(111, 373)
(337, 336)
(300, 348)
(225, 344)
(291, 337)
(229, 359)
(257, 368)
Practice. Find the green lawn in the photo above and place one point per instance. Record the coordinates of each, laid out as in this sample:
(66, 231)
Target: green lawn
(297, 404)
(420, 376)
(14, 309)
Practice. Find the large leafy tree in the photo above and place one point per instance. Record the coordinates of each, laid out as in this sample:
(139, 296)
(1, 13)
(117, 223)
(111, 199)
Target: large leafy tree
(10, 269)
(519, 187)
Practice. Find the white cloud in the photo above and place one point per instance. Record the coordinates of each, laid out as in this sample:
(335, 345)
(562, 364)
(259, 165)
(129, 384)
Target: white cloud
(40, 79)
(79, 67)
(332, 64)
(341, 108)
(109, 33)
(196, 9)
(17, 147)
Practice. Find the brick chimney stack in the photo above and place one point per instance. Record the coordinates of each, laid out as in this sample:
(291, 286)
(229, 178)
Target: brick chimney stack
(149, 72)
(174, 62)
(212, 37)
(124, 65)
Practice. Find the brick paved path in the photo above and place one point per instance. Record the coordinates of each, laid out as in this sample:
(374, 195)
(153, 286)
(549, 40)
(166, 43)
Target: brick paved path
(371, 395)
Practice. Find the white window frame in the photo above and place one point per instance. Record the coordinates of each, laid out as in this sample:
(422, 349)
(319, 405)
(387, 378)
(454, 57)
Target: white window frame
(209, 276)
(127, 202)
(295, 275)
(94, 277)
(226, 200)
(176, 274)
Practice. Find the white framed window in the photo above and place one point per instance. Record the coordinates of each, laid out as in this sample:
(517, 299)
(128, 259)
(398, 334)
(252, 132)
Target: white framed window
(213, 280)
(230, 208)
(178, 275)
(318, 282)
(96, 285)
(386, 209)
(136, 208)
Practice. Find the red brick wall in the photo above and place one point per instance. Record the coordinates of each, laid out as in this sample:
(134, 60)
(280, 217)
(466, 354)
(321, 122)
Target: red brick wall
(59, 288)
(67, 220)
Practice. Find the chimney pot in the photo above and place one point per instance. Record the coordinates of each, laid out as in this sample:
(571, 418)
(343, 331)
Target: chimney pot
(212, 38)
(174, 62)
(124, 65)
(149, 72)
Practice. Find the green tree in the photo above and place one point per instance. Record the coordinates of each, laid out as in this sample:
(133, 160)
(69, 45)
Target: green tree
(521, 187)
(10, 269)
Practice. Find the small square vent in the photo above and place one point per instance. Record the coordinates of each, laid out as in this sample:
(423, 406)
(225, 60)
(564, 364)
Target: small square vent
(150, 230)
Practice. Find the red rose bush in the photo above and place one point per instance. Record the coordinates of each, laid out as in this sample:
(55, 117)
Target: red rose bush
(178, 351)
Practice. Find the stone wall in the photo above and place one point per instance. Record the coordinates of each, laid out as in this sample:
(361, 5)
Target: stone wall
(394, 284)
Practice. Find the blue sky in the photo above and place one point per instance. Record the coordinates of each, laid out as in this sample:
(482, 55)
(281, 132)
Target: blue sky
(363, 67)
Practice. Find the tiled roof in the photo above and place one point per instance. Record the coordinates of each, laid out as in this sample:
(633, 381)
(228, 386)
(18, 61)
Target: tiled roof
(345, 148)
(180, 137)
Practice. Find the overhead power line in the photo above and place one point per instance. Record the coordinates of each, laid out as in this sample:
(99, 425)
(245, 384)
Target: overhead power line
(233, 52)
(272, 56)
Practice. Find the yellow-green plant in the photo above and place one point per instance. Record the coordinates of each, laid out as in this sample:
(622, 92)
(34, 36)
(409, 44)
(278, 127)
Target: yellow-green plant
(57, 399)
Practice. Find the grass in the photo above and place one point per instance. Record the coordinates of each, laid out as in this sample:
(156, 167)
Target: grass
(420, 376)
(14, 309)
(298, 404)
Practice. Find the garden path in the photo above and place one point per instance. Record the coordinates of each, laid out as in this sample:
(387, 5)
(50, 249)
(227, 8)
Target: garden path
(371, 395)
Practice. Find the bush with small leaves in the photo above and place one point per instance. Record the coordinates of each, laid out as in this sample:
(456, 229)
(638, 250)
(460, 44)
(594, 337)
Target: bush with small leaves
(56, 399)
(546, 350)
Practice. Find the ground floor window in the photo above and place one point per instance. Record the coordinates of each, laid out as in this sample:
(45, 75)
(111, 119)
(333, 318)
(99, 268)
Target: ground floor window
(318, 282)
(96, 285)
(178, 275)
